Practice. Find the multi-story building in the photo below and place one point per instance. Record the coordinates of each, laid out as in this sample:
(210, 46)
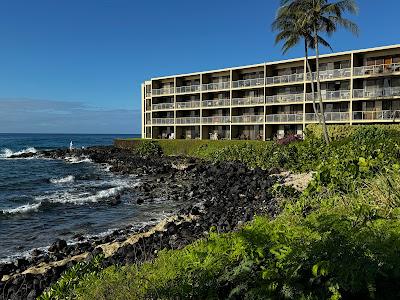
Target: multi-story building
(274, 98)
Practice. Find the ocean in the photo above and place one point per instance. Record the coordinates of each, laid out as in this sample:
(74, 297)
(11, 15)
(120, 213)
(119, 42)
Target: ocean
(42, 199)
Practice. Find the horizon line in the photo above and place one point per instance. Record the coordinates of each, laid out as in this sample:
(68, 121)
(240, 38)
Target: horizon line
(69, 133)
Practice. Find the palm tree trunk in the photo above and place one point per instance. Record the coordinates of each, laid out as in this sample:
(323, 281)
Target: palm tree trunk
(319, 92)
(312, 82)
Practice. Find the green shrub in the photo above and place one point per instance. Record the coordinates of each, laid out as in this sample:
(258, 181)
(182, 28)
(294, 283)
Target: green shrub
(64, 287)
(148, 148)
(337, 132)
(198, 148)
(348, 248)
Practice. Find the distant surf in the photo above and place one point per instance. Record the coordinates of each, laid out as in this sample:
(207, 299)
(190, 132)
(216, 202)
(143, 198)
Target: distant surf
(7, 153)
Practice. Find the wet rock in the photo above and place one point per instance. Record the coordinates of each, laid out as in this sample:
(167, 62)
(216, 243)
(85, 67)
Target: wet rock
(58, 245)
(33, 294)
(36, 252)
(116, 200)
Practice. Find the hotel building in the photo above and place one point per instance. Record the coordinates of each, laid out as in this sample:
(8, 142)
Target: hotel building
(272, 99)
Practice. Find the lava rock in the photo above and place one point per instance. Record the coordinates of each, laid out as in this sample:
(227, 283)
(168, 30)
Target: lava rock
(58, 245)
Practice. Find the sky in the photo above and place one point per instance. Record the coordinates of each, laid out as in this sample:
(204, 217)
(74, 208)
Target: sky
(75, 66)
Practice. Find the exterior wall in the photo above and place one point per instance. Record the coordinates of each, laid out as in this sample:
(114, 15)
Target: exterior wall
(272, 99)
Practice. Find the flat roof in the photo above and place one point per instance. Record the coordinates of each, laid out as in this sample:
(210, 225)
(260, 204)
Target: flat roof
(279, 62)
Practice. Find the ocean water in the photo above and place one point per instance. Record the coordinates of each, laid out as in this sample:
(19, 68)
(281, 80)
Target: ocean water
(43, 199)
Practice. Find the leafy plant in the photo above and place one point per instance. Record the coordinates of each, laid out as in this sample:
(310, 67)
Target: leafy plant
(148, 148)
(63, 288)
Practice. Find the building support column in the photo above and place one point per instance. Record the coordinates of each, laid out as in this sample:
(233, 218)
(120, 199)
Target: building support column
(230, 106)
(201, 106)
(304, 96)
(351, 89)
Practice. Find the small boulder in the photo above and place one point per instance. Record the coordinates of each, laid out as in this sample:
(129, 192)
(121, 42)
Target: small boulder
(58, 245)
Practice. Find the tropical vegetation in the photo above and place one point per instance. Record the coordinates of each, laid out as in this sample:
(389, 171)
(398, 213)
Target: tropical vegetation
(338, 239)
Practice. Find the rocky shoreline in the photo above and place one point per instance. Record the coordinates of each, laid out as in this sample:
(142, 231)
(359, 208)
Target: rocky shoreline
(222, 196)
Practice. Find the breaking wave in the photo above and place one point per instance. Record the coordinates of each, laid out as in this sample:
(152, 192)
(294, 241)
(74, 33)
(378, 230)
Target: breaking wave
(23, 209)
(7, 153)
(76, 160)
(66, 179)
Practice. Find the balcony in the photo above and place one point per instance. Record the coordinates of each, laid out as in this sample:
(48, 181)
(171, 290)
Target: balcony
(248, 119)
(377, 93)
(216, 103)
(329, 117)
(188, 89)
(188, 120)
(330, 95)
(216, 86)
(285, 79)
(190, 104)
(216, 120)
(163, 91)
(377, 69)
(286, 98)
(250, 101)
(163, 106)
(285, 118)
(163, 121)
(331, 74)
(248, 83)
(383, 115)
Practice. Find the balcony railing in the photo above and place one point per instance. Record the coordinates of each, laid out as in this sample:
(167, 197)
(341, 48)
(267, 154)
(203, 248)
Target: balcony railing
(216, 102)
(285, 98)
(163, 106)
(188, 120)
(216, 120)
(248, 83)
(189, 104)
(285, 79)
(329, 117)
(216, 86)
(188, 89)
(388, 115)
(163, 121)
(284, 118)
(330, 95)
(163, 91)
(377, 93)
(331, 74)
(248, 119)
(378, 69)
(247, 101)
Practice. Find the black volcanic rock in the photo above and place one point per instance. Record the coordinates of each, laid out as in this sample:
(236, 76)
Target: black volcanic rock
(223, 195)
(58, 245)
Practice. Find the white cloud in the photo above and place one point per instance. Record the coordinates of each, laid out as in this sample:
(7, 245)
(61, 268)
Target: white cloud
(25, 115)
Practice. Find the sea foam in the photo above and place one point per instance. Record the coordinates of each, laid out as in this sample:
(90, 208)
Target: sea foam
(76, 160)
(69, 178)
(7, 153)
(23, 209)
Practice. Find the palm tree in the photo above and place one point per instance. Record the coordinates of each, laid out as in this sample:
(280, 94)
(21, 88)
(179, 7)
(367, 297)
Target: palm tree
(291, 30)
(321, 17)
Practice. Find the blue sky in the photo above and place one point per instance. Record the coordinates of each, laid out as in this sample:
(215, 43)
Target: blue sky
(75, 66)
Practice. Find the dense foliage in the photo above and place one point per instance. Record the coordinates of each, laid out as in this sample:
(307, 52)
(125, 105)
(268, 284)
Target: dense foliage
(148, 148)
(72, 277)
(339, 239)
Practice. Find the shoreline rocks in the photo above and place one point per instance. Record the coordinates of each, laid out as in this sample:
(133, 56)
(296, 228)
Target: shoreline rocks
(222, 196)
